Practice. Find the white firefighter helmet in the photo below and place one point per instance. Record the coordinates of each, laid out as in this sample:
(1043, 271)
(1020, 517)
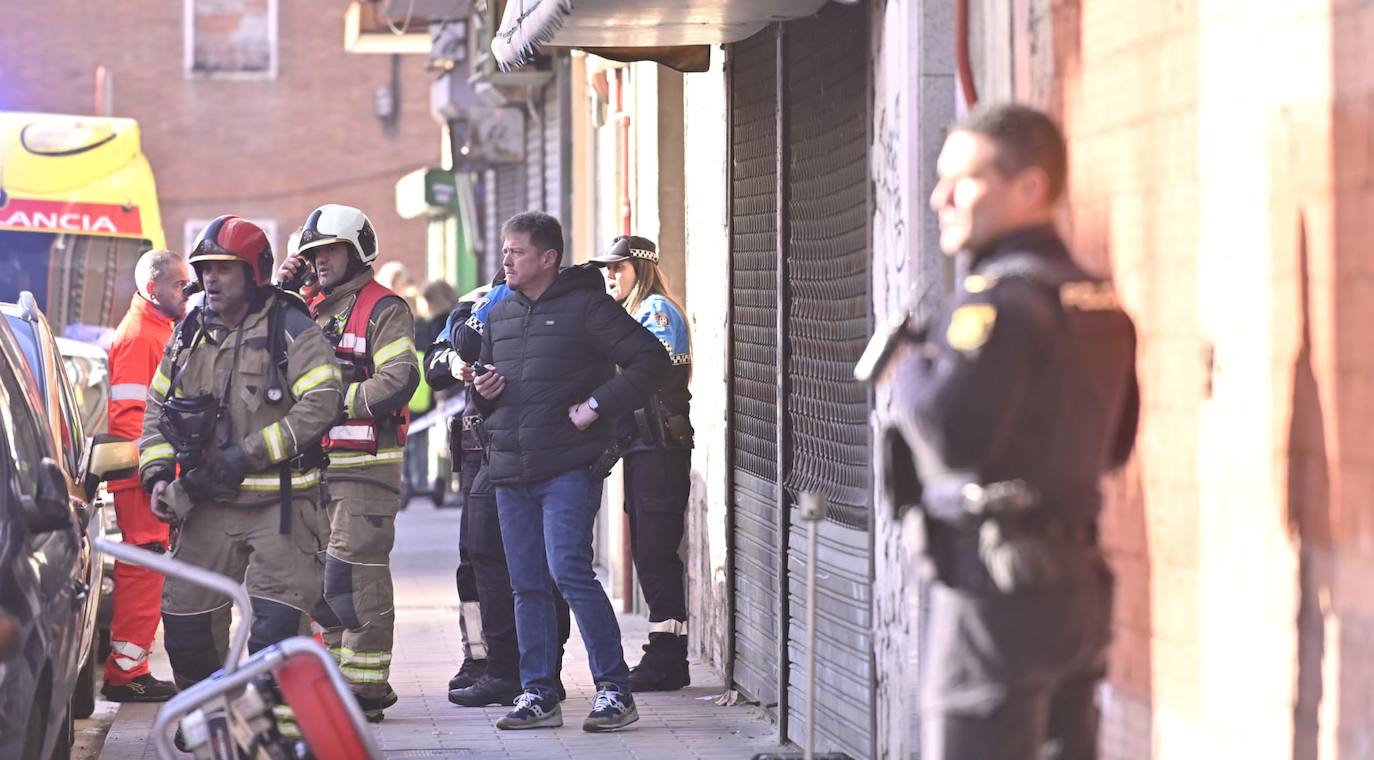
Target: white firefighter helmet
(293, 243)
(332, 223)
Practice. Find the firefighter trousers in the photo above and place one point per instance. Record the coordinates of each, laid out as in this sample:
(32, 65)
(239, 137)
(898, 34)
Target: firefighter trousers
(359, 613)
(138, 590)
(281, 571)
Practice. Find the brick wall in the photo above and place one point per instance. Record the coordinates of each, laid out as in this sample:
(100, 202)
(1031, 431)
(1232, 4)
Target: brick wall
(262, 148)
(1221, 171)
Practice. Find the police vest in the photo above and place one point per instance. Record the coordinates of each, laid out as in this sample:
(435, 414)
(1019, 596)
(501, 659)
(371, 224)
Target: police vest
(360, 433)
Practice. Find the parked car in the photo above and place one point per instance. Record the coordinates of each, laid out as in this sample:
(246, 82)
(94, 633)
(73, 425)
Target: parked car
(63, 415)
(88, 369)
(46, 569)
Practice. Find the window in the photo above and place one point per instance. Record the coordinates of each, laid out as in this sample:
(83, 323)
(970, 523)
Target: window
(269, 226)
(230, 38)
(17, 415)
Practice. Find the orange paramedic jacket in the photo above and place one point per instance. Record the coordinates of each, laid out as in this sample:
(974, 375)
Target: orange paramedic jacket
(134, 356)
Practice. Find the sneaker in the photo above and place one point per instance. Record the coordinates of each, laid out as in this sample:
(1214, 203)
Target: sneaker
(469, 674)
(650, 675)
(489, 690)
(532, 711)
(372, 707)
(613, 709)
(145, 688)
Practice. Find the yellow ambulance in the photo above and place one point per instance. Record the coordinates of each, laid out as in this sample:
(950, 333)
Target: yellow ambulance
(78, 205)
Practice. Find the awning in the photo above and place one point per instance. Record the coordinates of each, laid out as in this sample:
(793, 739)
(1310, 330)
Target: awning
(527, 25)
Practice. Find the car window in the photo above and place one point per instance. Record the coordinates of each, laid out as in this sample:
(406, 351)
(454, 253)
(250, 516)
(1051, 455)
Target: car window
(28, 343)
(17, 416)
(73, 435)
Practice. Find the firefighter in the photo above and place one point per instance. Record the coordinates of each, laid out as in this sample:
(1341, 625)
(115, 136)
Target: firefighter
(373, 333)
(139, 342)
(230, 450)
(656, 442)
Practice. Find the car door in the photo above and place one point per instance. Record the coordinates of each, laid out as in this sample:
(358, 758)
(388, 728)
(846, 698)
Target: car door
(61, 592)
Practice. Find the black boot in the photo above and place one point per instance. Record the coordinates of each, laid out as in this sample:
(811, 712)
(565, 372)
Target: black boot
(488, 690)
(468, 674)
(664, 665)
(373, 706)
(145, 688)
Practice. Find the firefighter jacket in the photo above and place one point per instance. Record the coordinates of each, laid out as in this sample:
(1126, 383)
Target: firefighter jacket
(374, 336)
(134, 355)
(270, 433)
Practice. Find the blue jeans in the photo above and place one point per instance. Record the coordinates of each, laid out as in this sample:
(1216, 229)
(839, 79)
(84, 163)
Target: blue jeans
(547, 530)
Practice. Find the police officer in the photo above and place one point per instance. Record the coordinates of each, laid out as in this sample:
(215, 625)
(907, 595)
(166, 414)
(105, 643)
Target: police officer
(1019, 400)
(448, 362)
(656, 442)
(372, 331)
(135, 353)
(244, 391)
(465, 450)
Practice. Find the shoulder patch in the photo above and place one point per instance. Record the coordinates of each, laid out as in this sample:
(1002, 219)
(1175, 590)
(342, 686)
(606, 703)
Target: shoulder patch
(976, 283)
(661, 318)
(1088, 296)
(970, 326)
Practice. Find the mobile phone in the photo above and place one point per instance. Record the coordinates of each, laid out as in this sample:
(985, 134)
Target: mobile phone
(479, 369)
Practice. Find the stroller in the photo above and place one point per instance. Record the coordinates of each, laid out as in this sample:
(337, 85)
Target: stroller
(229, 716)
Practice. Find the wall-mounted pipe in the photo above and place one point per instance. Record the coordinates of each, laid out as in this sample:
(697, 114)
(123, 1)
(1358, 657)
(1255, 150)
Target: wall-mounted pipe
(961, 53)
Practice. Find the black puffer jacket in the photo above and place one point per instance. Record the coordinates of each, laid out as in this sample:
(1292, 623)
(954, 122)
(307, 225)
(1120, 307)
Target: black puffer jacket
(554, 353)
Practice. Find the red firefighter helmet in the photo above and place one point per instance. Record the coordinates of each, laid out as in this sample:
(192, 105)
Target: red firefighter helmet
(233, 238)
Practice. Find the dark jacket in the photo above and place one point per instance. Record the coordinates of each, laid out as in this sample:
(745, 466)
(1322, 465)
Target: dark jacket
(1032, 378)
(554, 353)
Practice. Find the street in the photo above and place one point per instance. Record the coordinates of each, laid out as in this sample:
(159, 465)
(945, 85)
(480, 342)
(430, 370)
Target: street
(425, 725)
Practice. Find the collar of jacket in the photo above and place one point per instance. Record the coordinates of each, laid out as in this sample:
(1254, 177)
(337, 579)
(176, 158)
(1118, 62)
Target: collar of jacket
(579, 277)
(1041, 240)
(335, 297)
(216, 330)
(148, 312)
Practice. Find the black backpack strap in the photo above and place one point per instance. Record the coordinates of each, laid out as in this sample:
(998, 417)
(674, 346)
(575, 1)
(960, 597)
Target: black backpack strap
(284, 303)
(187, 331)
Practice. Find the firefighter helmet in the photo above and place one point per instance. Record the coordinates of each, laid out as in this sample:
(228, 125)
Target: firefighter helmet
(332, 223)
(233, 238)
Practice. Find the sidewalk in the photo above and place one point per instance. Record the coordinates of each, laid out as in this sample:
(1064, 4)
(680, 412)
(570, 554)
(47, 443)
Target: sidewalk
(684, 724)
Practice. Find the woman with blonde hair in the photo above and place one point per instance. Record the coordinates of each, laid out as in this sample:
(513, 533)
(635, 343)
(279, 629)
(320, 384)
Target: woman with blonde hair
(656, 442)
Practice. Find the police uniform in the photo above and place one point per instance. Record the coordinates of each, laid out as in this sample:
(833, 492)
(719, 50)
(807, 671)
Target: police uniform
(481, 531)
(465, 449)
(267, 539)
(373, 331)
(1022, 398)
(657, 445)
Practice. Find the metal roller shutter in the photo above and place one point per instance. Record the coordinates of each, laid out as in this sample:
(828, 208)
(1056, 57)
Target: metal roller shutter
(753, 382)
(826, 128)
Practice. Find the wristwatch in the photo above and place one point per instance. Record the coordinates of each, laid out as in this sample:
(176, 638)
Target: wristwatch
(591, 403)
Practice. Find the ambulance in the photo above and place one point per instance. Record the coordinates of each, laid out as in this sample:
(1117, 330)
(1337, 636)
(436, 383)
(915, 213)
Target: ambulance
(78, 206)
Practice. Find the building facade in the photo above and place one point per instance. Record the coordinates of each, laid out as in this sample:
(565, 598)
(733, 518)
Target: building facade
(249, 107)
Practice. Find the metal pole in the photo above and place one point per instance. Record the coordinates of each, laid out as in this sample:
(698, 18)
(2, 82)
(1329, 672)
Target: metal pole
(811, 509)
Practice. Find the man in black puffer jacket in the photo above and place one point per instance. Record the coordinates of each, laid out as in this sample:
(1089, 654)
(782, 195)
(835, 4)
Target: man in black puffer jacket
(550, 395)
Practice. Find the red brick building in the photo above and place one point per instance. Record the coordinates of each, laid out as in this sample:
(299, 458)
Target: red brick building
(249, 107)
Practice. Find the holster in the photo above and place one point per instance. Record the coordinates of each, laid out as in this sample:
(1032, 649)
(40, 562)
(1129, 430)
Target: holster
(188, 424)
(983, 536)
(657, 427)
(603, 465)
